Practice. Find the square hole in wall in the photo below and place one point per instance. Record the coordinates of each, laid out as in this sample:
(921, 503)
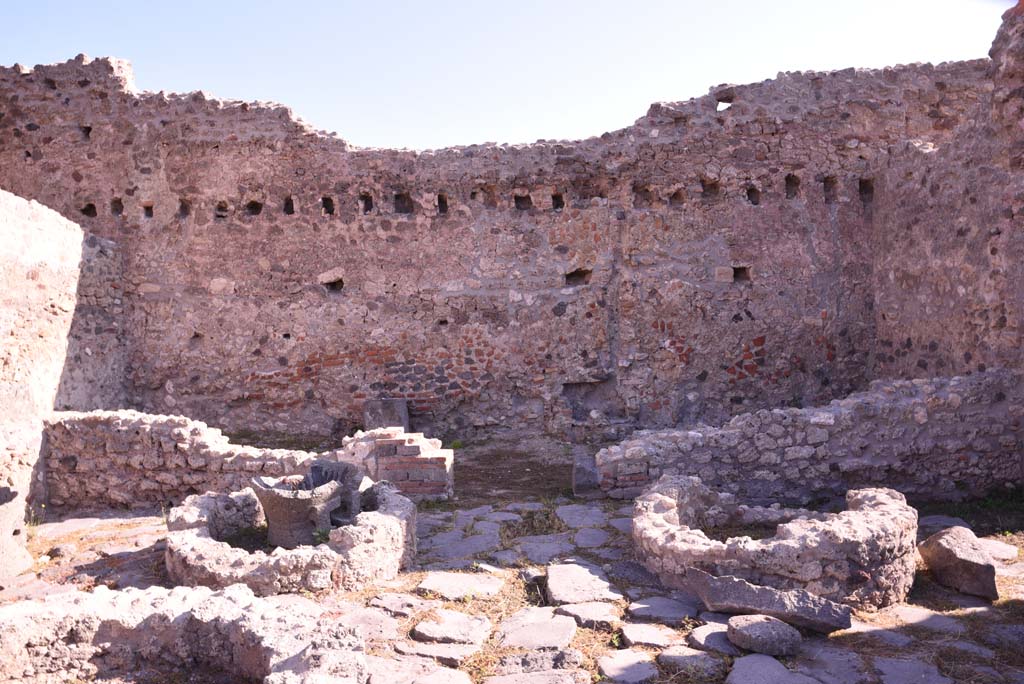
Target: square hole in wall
(184, 209)
(792, 186)
(442, 203)
(116, 207)
(523, 202)
(741, 274)
(327, 206)
(830, 187)
(289, 206)
(866, 187)
(708, 189)
(89, 210)
(253, 208)
(753, 196)
(366, 202)
(557, 201)
(403, 203)
(643, 196)
(578, 277)
(147, 210)
(677, 198)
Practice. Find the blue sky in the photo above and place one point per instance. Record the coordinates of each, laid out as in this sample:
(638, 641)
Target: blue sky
(430, 74)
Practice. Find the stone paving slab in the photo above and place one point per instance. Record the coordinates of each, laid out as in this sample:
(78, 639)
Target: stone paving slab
(627, 667)
(545, 547)
(579, 583)
(452, 627)
(649, 635)
(539, 661)
(830, 665)
(631, 572)
(590, 537)
(403, 605)
(908, 671)
(451, 655)
(543, 677)
(697, 665)
(592, 614)
(917, 616)
(582, 515)
(662, 609)
(412, 670)
(712, 637)
(454, 586)
(762, 669)
(623, 525)
(536, 628)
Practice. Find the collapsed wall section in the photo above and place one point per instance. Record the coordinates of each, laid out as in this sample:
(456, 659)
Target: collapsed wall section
(929, 439)
(698, 264)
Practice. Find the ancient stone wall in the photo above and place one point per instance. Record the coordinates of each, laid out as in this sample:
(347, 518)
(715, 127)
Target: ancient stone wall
(126, 458)
(706, 261)
(930, 439)
(38, 278)
(949, 249)
(96, 361)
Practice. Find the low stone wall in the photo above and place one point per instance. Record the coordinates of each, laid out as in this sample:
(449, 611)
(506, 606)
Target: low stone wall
(946, 438)
(377, 544)
(158, 634)
(864, 556)
(127, 458)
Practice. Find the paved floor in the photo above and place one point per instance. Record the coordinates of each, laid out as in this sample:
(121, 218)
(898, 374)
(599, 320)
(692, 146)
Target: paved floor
(545, 590)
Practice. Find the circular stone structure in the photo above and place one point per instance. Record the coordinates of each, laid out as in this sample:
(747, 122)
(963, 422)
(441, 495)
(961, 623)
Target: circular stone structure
(863, 556)
(374, 545)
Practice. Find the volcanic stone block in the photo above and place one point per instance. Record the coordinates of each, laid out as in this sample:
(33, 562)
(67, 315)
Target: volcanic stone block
(956, 560)
(382, 413)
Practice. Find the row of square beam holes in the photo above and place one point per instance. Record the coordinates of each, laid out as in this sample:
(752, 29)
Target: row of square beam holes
(404, 204)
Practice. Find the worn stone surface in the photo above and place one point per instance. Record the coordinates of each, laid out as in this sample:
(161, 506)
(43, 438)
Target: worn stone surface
(578, 583)
(762, 669)
(448, 654)
(627, 666)
(956, 559)
(536, 628)
(539, 661)
(863, 556)
(689, 662)
(592, 614)
(542, 677)
(661, 609)
(452, 627)
(649, 635)
(908, 671)
(453, 586)
(712, 637)
(763, 634)
(403, 605)
(412, 670)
